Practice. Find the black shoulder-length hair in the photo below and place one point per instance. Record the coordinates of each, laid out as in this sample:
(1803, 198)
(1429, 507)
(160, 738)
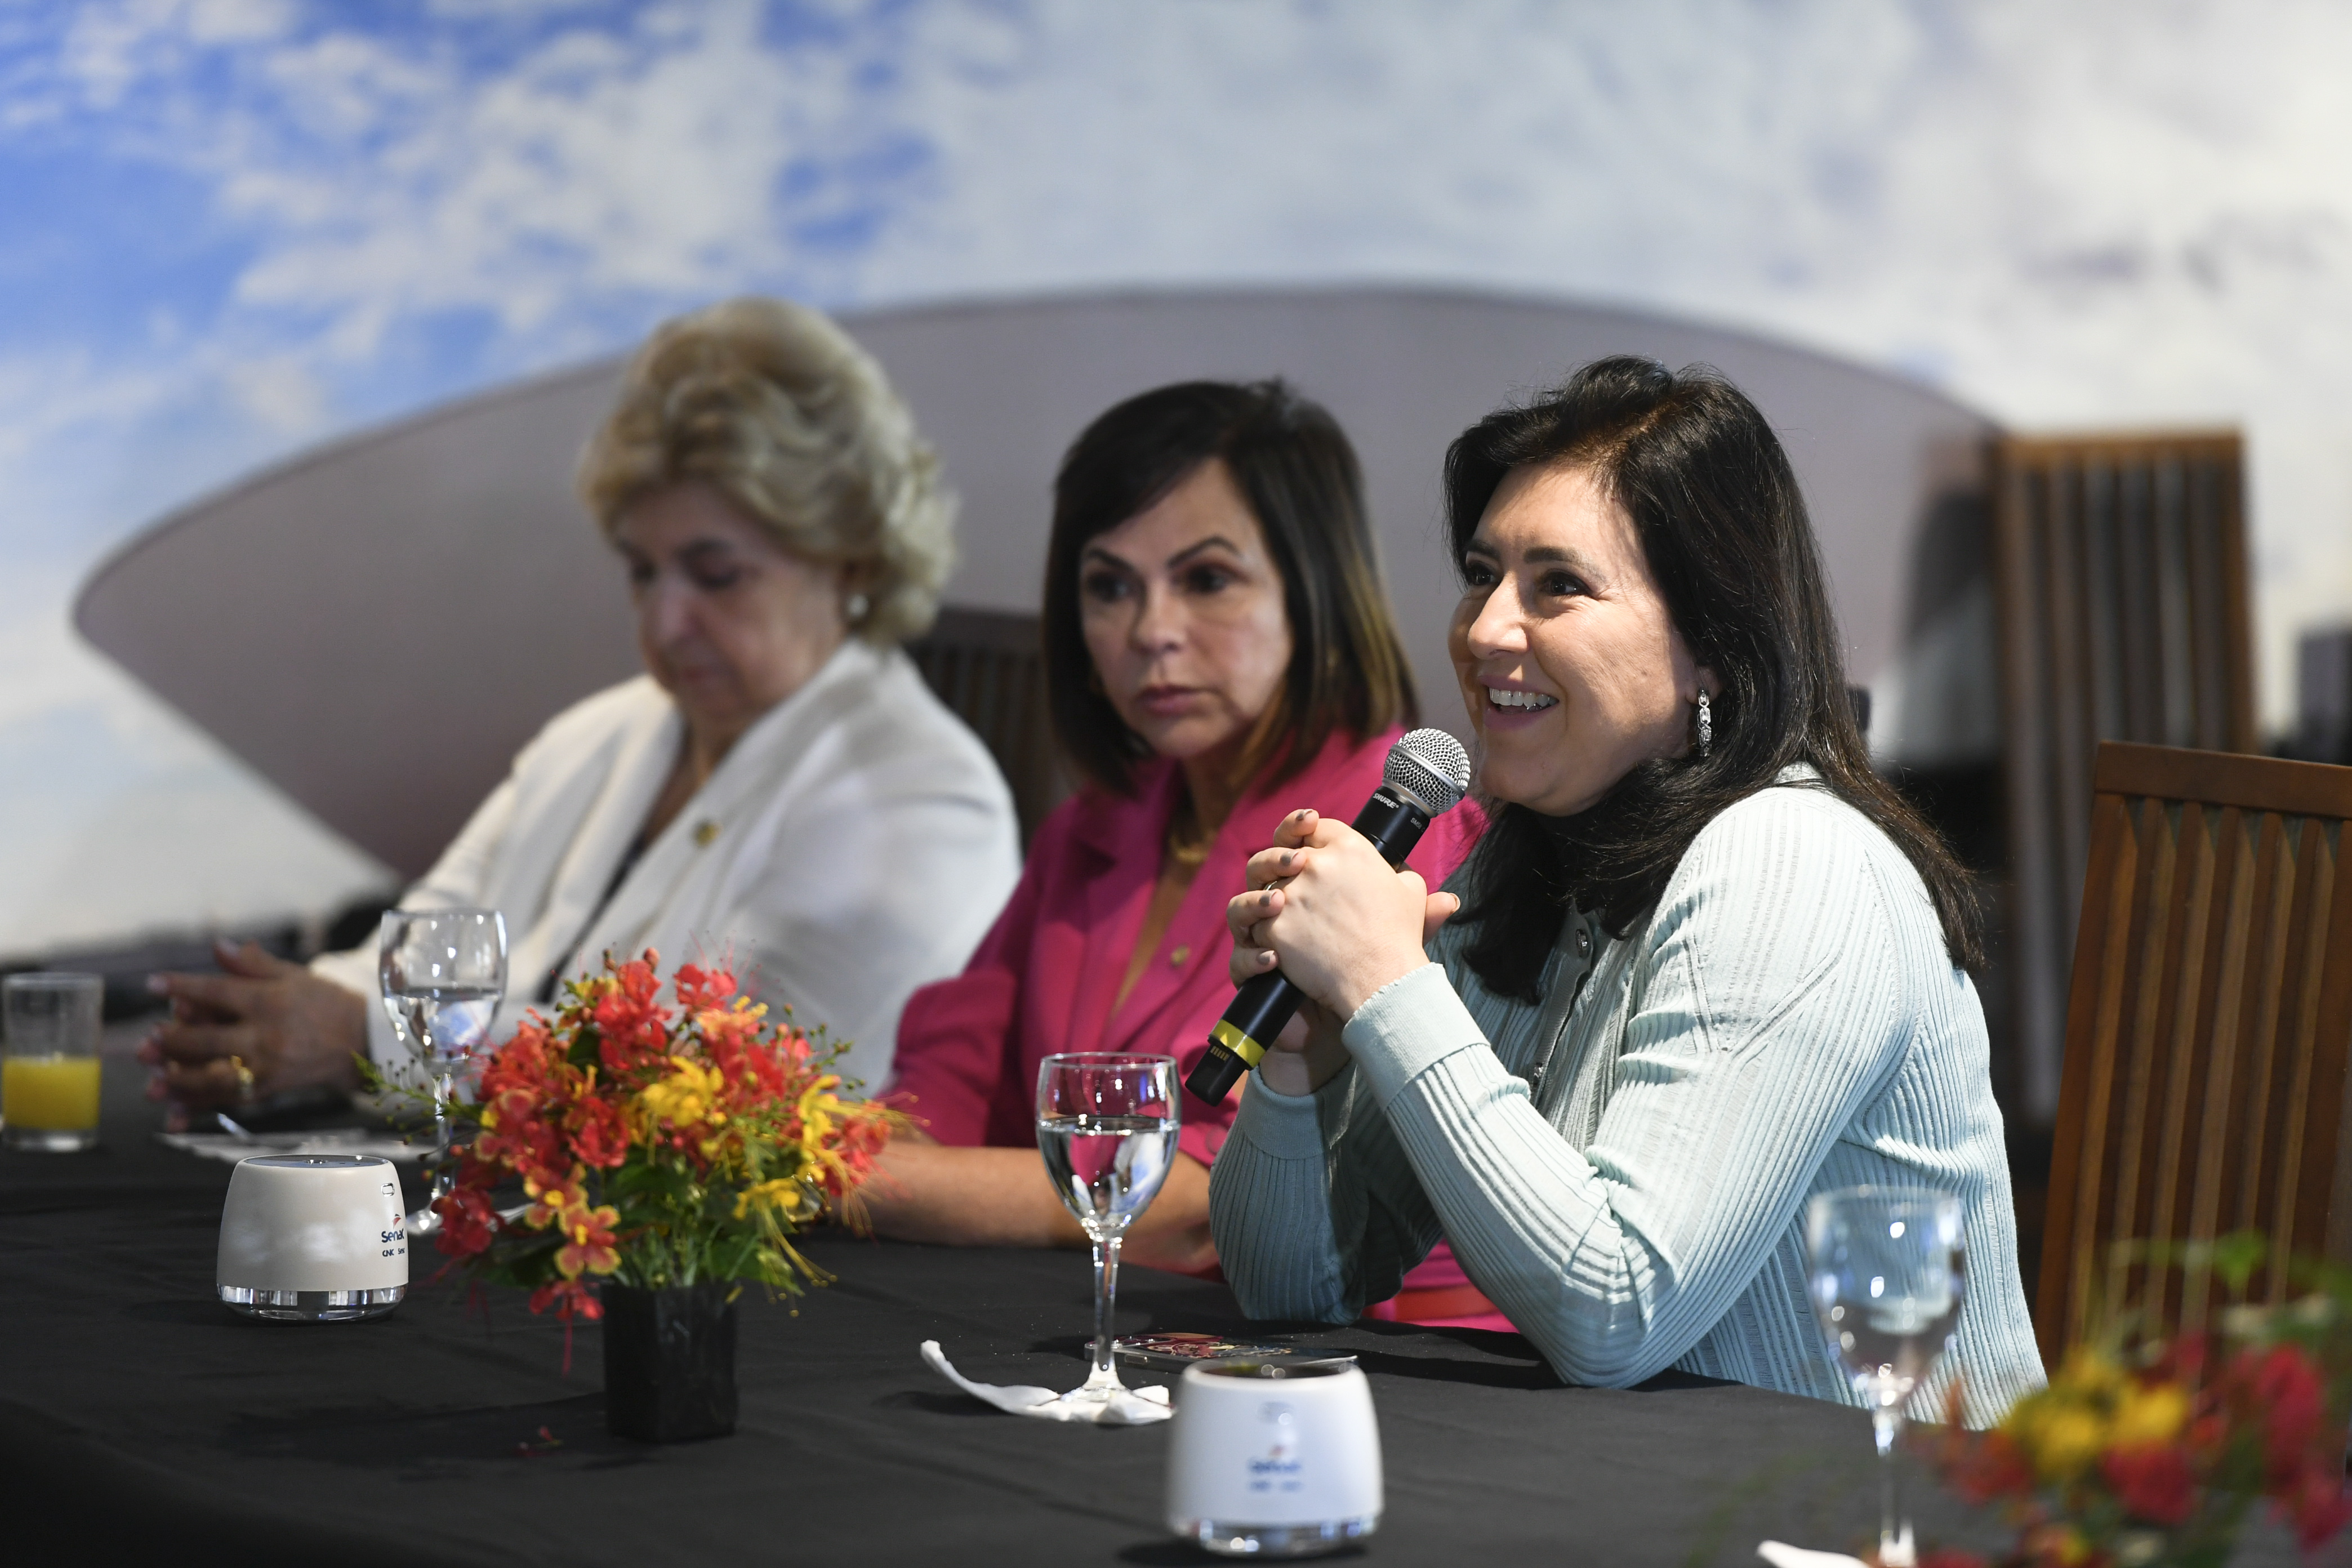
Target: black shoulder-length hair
(1723, 527)
(1294, 466)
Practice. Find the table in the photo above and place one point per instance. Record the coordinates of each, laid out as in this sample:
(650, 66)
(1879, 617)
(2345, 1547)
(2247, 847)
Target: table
(139, 1420)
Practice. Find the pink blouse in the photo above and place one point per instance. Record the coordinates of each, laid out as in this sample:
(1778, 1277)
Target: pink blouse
(1046, 976)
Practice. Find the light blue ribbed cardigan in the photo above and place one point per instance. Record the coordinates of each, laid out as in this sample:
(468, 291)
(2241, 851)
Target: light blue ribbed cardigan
(1623, 1168)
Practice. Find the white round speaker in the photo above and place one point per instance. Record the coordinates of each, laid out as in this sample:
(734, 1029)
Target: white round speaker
(313, 1238)
(1274, 1458)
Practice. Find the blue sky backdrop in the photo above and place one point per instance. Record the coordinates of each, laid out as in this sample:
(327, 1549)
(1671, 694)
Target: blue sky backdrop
(229, 229)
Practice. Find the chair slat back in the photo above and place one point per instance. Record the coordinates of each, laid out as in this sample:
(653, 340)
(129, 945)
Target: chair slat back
(990, 668)
(2208, 1030)
(2121, 573)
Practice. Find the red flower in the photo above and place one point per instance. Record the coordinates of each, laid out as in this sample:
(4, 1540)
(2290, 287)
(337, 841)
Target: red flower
(512, 1133)
(2317, 1505)
(570, 1298)
(702, 990)
(588, 1246)
(470, 1224)
(632, 1023)
(2287, 1390)
(600, 1133)
(1988, 1466)
(2154, 1481)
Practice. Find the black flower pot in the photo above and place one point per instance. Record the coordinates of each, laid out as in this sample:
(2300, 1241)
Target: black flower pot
(669, 1362)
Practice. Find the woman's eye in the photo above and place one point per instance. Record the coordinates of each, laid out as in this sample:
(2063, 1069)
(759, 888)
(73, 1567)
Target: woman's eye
(640, 574)
(1560, 585)
(1208, 580)
(1478, 574)
(711, 578)
(1104, 587)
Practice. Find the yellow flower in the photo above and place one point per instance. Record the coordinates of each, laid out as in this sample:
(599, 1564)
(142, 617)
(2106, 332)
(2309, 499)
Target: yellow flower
(2150, 1414)
(2059, 1543)
(2087, 1374)
(554, 1199)
(784, 1196)
(2067, 1439)
(686, 1099)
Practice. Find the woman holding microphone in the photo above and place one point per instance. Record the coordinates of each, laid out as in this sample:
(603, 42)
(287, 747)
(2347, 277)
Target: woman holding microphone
(1704, 965)
(1218, 647)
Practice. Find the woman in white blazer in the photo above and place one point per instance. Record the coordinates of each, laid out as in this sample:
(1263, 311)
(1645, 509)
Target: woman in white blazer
(779, 789)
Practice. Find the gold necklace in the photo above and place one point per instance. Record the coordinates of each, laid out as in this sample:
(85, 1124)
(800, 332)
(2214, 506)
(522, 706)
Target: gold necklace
(1187, 842)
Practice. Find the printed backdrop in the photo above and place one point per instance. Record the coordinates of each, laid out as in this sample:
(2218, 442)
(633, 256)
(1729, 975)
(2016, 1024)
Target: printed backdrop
(229, 229)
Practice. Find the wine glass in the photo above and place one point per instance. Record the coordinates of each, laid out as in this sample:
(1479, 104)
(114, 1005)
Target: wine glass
(1885, 1271)
(1107, 1125)
(443, 973)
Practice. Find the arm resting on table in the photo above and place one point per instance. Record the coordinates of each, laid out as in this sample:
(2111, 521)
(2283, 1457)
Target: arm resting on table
(923, 1190)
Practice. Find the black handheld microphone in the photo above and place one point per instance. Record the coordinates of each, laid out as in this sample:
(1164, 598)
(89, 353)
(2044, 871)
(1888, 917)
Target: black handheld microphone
(1427, 773)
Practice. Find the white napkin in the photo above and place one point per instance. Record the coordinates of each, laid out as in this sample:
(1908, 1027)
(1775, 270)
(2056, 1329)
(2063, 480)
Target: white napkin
(326, 1141)
(1136, 1407)
(1781, 1555)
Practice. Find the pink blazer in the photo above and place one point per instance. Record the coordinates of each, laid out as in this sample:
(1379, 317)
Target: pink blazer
(1045, 975)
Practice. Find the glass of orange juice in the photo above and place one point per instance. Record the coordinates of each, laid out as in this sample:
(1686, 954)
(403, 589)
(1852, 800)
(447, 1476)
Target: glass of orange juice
(49, 1062)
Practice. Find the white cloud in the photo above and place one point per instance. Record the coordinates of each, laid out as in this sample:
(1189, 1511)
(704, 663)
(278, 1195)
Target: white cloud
(282, 394)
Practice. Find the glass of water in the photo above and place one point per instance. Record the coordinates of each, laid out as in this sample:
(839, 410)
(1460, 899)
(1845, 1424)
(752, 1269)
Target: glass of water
(1107, 1125)
(1885, 1268)
(443, 973)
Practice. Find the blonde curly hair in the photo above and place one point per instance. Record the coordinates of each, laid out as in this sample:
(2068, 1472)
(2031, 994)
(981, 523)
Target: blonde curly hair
(774, 407)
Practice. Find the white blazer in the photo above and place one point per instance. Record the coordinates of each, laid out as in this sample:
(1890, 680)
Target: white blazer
(853, 845)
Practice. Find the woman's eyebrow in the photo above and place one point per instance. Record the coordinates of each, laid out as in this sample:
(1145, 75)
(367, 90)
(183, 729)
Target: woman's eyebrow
(1096, 552)
(693, 551)
(1558, 555)
(1198, 545)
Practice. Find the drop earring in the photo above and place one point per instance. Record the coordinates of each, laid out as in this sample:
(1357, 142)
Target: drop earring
(855, 607)
(1706, 726)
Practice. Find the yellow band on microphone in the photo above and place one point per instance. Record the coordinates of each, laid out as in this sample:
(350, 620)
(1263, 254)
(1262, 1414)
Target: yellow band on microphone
(1240, 1045)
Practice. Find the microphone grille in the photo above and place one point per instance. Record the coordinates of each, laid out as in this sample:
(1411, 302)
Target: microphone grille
(1432, 766)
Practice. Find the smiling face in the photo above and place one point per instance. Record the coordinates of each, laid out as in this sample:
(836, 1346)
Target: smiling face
(729, 622)
(1182, 606)
(1571, 667)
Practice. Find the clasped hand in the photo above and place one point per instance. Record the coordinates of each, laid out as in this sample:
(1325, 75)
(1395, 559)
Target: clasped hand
(261, 1026)
(1324, 909)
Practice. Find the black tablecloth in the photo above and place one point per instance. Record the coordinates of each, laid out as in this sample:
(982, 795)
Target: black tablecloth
(139, 1420)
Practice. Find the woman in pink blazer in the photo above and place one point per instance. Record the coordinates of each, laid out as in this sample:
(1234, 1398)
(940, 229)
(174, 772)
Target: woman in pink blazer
(1219, 653)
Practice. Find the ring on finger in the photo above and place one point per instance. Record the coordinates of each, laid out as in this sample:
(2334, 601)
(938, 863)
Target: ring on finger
(244, 1076)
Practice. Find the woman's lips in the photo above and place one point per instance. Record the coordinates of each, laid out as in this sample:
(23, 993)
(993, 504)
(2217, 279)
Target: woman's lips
(1168, 701)
(1500, 711)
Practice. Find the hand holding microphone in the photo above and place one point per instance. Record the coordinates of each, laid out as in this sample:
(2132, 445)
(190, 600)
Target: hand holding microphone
(1329, 899)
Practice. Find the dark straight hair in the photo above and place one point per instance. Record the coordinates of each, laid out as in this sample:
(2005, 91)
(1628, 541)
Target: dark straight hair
(1295, 469)
(1723, 527)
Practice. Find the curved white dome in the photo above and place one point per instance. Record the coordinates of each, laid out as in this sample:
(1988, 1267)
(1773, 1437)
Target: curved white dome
(377, 625)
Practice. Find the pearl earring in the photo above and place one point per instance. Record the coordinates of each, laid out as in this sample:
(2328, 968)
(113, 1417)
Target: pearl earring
(856, 607)
(1706, 726)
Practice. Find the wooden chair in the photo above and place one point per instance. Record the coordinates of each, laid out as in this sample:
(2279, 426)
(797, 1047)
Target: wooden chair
(990, 668)
(2207, 1028)
(2120, 574)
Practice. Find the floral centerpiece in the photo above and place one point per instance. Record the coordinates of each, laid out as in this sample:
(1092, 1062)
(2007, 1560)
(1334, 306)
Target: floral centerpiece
(2147, 1451)
(669, 1153)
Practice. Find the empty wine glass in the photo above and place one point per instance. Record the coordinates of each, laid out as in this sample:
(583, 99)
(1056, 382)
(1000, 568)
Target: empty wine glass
(1107, 1125)
(1885, 1270)
(443, 973)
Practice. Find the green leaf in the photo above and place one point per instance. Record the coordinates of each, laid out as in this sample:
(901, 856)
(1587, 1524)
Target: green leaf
(2236, 1257)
